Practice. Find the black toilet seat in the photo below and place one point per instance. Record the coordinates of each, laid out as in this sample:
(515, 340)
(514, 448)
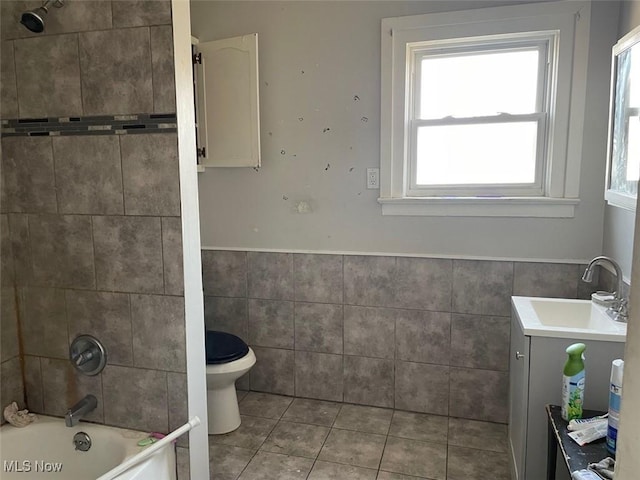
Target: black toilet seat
(222, 347)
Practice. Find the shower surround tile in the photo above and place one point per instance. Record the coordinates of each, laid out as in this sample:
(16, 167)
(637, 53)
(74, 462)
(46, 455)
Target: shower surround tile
(8, 325)
(11, 387)
(318, 278)
(8, 87)
(7, 269)
(117, 79)
(52, 67)
(224, 273)
(135, 13)
(128, 252)
(44, 322)
(33, 384)
(123, 390)
(164, 89)
(172, 255)
(270, 275)
(158, 320)
(318, 375)
(482, 287)
(62, 251)
(319, 327)
(150, 174)
(28, 175)
(88, 175)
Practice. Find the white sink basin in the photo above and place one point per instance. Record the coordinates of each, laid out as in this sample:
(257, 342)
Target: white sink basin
(567, 318)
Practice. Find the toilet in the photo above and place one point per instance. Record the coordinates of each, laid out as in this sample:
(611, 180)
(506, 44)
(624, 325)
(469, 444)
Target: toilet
(228, 358)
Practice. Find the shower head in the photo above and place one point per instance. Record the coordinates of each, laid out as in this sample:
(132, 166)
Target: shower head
(34, 19)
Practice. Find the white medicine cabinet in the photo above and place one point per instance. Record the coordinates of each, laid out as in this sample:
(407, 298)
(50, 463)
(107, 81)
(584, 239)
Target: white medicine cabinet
(227, 102)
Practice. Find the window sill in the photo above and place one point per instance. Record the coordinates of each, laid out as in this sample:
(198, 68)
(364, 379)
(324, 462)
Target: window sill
(540, 207)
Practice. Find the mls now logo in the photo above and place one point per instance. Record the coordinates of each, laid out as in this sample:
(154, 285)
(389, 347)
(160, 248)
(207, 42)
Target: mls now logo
(25, 466)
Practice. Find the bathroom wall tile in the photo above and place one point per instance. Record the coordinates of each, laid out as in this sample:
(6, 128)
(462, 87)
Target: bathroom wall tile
(411, 457)
(135, 398)
(334, 471)
(128, 252)
(273, 371)
(224, 273)
(227, 315)
(369, 280)
(227, 462)
(8, 324)
(314, 412)
(296, 439)
(62, 251)
(264, 405)
(164, 89)
(271, 323)
(88, 174)
(423, 336)
(76, 16)
(464, 463)
(28, 176)
(318, 278)
(353, 448)
(423, 283)
(52, 67)
(134, 13)
(7, 273)
(275, 465)
(364, 419)
(270, 275)
(183, 467)
(33, 384)
(480, 342)
(368, 381)
(106, 316)
(473, 387)
(369, 331)
(63, 386)
(150, 174)
(546, 279)
(482, 287)
(480, 435)
(44, 322)
(177, 402)
(8, 86)
(118, 79)
(11, 388)
(318, 375)
(318, 327)
(172, 256)
(422, 387)
(419, 426)
(21, 248)
(158, 332)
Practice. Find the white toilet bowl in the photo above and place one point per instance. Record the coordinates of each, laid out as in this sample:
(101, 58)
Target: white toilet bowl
(222, 402)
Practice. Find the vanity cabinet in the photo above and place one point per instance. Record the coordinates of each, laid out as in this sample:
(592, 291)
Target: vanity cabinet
(535, 376)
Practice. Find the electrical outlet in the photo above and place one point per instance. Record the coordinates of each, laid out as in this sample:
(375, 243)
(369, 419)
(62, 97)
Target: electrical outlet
(373, 178)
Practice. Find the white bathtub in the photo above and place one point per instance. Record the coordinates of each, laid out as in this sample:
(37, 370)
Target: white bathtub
(45, 449)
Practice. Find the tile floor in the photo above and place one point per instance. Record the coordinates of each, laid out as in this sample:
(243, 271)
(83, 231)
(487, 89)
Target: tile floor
(287, 438)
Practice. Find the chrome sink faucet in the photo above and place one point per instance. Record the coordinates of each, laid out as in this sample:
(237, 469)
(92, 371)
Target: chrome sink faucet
(618, 311)
(79, 410)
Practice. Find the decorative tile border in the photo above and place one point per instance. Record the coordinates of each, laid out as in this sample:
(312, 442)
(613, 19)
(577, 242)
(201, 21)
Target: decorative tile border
(98, 125)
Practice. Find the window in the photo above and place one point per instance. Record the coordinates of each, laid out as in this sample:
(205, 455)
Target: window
(476, 111)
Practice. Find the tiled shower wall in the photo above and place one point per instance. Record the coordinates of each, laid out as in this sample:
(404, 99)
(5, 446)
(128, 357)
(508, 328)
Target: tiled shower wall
(91, 227)
(420, 334)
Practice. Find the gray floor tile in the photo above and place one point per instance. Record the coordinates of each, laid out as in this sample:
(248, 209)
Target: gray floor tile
(353, 448)
(472, 464)
(396, 476)
(264, 405)
(270, 466)
(297, 439)
(335, 471)
(419, 426)
(411, 457)
(250, 434)
(315, 412)
(227, 462)
(241, 394)
(364, 419)
(476, 434)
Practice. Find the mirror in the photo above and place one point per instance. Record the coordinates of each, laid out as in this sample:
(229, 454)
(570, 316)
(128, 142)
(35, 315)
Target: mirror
(623, 155)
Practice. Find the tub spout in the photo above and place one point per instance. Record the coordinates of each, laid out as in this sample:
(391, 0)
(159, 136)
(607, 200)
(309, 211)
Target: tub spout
(79, 410)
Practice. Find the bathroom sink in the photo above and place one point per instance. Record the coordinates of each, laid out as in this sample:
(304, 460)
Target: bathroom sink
(567, 318)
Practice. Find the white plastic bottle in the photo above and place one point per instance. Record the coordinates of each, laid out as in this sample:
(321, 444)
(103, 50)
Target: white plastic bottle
(615, 398)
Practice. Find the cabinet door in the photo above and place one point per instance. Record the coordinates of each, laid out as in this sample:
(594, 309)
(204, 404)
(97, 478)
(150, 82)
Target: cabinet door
(518, 398)
(227, 107)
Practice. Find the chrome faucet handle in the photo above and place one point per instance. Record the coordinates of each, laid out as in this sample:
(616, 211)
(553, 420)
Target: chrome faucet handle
(83, 357)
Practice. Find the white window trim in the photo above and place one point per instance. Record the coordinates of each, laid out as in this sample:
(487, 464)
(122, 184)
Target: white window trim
(562, 182)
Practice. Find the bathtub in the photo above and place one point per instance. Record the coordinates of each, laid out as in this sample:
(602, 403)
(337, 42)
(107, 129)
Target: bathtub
(45, 449)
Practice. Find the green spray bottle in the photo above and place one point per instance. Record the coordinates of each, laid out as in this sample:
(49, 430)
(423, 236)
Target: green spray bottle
(573, 382)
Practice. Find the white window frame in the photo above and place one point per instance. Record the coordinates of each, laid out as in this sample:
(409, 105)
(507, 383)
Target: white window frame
(566, 21)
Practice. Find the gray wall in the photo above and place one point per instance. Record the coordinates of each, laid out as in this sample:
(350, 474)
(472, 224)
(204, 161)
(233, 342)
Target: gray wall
(419, 334)
(93, 220)
(618, 222)
(315, 58)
